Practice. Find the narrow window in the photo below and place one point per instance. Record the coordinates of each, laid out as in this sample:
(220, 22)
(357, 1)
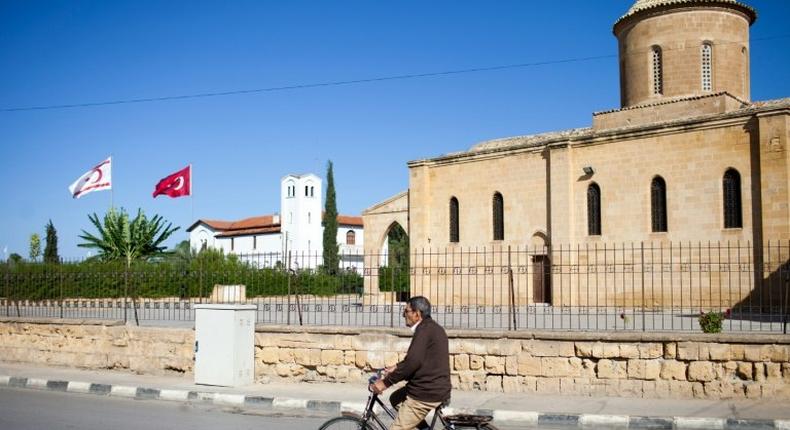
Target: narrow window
(454, 233)
(732, 199)
(255, 242)
(312, 189)
(707, 67)
(351, 237)
(306, 189)
(594, 210)
(658, 204)
(232, 243)
(658, 81)
(499, 217)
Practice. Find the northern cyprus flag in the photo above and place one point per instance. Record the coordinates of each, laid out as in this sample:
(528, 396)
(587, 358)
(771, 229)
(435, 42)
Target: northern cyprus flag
(99, 178)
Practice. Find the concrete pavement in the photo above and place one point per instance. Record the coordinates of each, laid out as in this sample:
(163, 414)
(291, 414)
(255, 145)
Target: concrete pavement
(512, 409)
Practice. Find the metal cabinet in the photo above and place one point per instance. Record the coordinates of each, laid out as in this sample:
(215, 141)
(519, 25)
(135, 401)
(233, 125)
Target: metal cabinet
(224, 344)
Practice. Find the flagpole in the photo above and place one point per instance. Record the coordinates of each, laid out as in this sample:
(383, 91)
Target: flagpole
(112, 190)
(191, 196)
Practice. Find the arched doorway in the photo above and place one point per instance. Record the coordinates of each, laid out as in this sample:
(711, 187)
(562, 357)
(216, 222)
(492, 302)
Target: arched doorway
(541, 268)
(394, 274)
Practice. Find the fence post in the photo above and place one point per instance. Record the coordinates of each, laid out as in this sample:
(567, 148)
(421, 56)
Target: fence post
(8, 290)
(642, 246)
(60, 292)
(125, 296)
(511, 293)
(784, 280)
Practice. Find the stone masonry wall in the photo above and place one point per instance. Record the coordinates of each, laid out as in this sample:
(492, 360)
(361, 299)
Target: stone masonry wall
(96, 344)
(650, 365)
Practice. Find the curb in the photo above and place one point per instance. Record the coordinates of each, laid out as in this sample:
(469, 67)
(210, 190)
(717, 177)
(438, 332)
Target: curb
(332, 407)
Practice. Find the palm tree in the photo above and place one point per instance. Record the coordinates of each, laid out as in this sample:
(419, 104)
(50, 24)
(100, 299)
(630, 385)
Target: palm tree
(121, 239)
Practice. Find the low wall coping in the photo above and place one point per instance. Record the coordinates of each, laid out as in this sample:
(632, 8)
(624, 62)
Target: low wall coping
(60, 321)
(575, 336)
(748, 338)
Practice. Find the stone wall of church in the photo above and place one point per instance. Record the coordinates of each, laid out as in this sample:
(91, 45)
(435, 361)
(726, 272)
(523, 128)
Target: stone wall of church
(691, 158)
(545, 191)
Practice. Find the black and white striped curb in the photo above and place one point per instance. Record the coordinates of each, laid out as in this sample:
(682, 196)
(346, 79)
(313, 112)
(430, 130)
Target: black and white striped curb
(516, 418)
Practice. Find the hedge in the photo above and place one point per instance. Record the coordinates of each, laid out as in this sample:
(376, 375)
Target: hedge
(166, 278)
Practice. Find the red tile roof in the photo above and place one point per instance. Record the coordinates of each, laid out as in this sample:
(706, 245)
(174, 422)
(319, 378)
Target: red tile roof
(260, 225)
(349, 220)
(258, 222)
(250, 231)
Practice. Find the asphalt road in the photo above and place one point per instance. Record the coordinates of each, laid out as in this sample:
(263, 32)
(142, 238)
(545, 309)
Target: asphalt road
(25, 409)
(22, 409)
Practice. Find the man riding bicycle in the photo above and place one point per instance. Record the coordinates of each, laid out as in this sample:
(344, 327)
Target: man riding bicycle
(426, 369)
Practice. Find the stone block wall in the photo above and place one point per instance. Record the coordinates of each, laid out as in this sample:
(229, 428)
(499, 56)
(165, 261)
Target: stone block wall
(96, 344)
(649, 365)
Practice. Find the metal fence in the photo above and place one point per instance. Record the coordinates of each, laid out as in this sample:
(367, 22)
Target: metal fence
(634, 286)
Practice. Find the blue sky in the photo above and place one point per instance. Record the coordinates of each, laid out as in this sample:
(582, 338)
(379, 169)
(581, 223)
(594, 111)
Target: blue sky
(74, 52)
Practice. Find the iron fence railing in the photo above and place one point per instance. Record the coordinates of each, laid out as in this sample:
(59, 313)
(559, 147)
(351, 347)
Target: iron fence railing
(634, 286)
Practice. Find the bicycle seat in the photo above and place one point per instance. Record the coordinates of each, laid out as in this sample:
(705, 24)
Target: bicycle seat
(468, 420)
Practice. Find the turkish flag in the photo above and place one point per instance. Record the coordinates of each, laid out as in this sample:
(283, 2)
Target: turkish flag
(176, 185)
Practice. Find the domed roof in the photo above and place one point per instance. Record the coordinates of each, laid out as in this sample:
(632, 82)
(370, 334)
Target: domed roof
(645, 5)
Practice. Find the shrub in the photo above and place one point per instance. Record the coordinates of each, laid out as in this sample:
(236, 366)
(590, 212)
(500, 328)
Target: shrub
(713, 321)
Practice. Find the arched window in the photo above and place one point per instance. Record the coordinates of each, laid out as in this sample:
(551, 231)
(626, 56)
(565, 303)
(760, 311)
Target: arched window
(498, 206)
(707, 67)
(658, 204)
(312, 190)
(732, 199)
(306, 191)
(351, 237)
(594, 210)
(658, 77)
(454, 233)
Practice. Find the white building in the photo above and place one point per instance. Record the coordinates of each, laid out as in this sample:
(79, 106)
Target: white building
(294, 237)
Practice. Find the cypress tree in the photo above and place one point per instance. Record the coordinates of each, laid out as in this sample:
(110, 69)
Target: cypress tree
(51, 248)
(329, 222)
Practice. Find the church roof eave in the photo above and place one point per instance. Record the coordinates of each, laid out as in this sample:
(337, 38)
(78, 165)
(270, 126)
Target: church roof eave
(646, 6)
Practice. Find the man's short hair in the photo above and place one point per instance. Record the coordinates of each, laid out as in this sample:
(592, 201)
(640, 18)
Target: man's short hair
(420, 303)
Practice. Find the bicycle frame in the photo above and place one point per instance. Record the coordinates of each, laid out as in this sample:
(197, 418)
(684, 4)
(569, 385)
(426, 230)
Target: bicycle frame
(370, 416)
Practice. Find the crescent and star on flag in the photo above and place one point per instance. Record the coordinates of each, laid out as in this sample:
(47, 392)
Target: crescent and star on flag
(99, 178)
(178, 184)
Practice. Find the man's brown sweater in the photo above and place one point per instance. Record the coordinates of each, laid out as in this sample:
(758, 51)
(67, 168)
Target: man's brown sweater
(426, 366)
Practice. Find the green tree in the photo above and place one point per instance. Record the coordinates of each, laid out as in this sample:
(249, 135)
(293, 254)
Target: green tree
(395, 276)
(331, 260)
(51, 247)
(120, 238)
(35, 246)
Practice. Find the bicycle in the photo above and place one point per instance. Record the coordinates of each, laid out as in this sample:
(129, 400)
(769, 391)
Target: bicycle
(369, 420)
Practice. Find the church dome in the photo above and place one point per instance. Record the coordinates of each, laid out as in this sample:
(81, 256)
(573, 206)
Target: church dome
(680, 48)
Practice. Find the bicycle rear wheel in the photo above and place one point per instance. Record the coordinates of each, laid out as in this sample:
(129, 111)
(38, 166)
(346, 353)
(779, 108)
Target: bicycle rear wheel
(345, 423)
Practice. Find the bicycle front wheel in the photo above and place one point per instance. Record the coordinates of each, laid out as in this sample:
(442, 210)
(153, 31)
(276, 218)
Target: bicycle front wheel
(344, 423)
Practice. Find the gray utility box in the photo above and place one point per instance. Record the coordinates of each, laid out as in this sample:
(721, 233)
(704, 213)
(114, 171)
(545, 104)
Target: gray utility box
(224, 344)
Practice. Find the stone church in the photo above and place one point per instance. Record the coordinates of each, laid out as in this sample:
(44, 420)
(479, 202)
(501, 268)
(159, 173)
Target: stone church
(687, 157)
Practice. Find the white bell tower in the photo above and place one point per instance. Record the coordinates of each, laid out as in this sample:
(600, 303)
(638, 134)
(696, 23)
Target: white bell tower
(300, 216)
